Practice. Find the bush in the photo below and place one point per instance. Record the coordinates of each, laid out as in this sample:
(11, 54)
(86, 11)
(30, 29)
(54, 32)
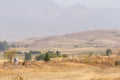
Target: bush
(10, 55)
(47, 57)
(117, 62)
(19, 52)
(58, 53)
(65, 55)
(108, 52)
(52, 54)
(34, 52)
(40, 57)
(27, 56)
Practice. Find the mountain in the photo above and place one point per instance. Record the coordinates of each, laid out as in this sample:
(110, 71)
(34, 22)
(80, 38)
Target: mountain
(92, 38)
(20, 19)
(27, 18)
(78, 18)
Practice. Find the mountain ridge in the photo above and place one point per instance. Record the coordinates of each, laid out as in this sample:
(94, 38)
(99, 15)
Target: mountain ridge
(91, 38)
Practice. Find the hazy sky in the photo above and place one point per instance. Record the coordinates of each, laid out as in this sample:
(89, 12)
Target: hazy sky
(20, 19)
(91, 3)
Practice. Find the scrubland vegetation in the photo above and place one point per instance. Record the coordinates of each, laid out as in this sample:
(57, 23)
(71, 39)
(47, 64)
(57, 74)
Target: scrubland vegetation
(55, 65)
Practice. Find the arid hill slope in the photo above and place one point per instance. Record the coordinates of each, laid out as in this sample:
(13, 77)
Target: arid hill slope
(95, 38)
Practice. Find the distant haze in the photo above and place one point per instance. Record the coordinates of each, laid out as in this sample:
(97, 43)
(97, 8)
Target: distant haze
(91, 3)
(20, 19)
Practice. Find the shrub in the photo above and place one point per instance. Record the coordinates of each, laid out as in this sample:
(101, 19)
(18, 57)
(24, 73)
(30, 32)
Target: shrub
(10, 54)
(58, 53)
(37, 58)
(108, 52)
(19, 52)
(40, 57)
(34, 52)
(52, 54)
(47, 57)
(27, 56)
(65, 55)
(117, 62)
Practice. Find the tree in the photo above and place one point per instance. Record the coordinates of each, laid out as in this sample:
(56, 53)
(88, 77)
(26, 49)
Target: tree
(108, 52)
(40, 57)
(47, 57)
(10, 54)
(52, 54)
(27, 56)
(3, 45)
(58, 53)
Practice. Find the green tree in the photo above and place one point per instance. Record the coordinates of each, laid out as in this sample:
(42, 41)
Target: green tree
(27, 56)
(10, 54)
(58, 53)
(52, 54)
(3, 45)
(40, 57)
(47, 57)
(108, 52)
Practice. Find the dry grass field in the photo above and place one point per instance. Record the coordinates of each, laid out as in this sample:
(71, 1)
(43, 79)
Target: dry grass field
(68, 50)
(79, 68)
(60, 69)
